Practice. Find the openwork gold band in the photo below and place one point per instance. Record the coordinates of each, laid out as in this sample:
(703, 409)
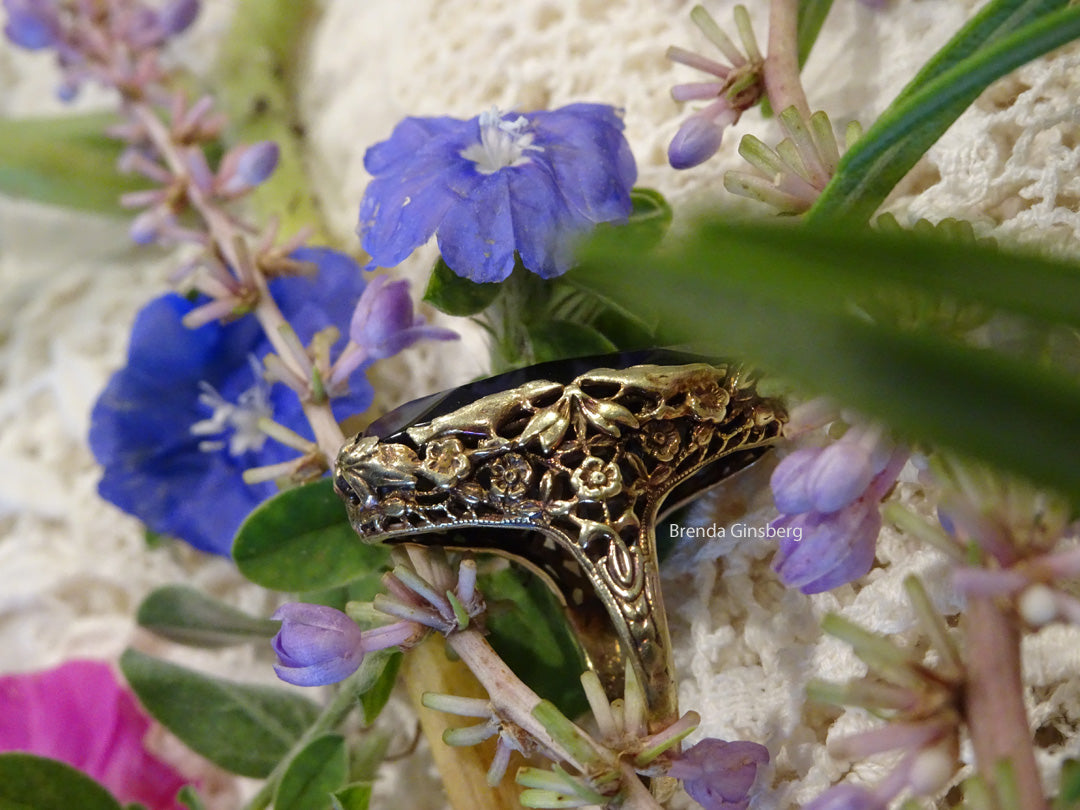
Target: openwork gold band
(570, 478)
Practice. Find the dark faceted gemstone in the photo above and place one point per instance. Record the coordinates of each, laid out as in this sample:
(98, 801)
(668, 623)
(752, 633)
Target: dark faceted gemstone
(560, 371)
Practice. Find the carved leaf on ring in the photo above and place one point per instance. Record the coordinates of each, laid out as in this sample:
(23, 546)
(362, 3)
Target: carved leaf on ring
(548, 426)
(391, 465)
(607, 416)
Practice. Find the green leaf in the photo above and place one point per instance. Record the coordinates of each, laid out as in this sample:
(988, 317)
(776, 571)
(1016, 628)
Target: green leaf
(780, 297)
(301, 540)
(373, 700)
(527, 627)
(812, 14)
(190, 798)
(356, 796)
(450, 293)
(650, 217)
(557, 340)
(903, 133)
(66, 161)
(187, 616)
(1069, 792)
(317, 770)
(256, 85)
(994, 21)
(29, 782)
(244, 729)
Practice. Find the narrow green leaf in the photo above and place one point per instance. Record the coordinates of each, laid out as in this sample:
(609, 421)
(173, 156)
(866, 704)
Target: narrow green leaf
(812, 14)
(782, 308)
(557, 340)
(256, 85)
(187, 616)
(356, 796)
(29, 782)
(994, 21)
(244, 729)
(528, 629)
(450, 293)
(316, 771)
(66, 161)
(373, 700)
(301, 540)
(903, 133)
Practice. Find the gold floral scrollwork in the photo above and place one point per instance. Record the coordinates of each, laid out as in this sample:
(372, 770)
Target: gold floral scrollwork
(706, 398)
(623, 570)
(596, 479)
(510, 476)
(445, 462)
(660, 440)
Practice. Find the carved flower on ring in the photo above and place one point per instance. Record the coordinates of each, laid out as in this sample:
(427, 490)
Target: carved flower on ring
(510, 475)
(445, 461)
(660, 440)
(707, 399)
(596, 478)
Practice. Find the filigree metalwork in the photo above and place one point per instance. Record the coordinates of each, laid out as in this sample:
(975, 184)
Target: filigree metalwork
(570, 479)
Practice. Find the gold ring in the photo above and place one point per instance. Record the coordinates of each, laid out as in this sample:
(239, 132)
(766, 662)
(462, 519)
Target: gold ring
(567, 467)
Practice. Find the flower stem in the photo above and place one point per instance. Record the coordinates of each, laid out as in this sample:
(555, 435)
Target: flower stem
(994, 706)
(343, 702)
(781, 70)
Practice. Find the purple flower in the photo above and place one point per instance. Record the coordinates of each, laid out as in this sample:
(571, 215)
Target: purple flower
(720, 775)
(820, 551)
(245, 167)
(829, 498)
(316, 645)
(32, 24)
(384, 323)
(496, 185)
(178, 15)
(79, 714)
(175, 428)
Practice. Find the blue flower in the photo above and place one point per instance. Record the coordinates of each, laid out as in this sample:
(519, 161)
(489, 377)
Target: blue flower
(495, 185)
(175, 429)
(720, 775)
(316, 645)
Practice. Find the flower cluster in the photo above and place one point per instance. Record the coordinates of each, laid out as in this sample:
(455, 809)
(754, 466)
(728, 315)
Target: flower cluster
(496, 187)
(734, 89)
(830, 500)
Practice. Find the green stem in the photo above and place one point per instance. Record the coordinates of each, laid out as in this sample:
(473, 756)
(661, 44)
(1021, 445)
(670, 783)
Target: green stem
(335, 712)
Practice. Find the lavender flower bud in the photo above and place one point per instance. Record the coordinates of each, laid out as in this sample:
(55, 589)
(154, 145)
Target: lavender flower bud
(720, 775)
(700, 135)
(384, 323)
(32, 24)
(316, 645)
(789, 481)
(178, 15)
(257, 162)
(840, 474)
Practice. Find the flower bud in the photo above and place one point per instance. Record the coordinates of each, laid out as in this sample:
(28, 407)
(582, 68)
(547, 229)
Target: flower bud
(700, 135)
(32, 25)
(384, 323)
(178, 15)
(316, 645)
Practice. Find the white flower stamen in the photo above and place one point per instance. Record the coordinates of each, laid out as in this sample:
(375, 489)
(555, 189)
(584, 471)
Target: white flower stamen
(241, 418)
(502, 143)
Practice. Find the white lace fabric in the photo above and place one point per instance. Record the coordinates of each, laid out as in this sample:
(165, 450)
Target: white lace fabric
(73, 569)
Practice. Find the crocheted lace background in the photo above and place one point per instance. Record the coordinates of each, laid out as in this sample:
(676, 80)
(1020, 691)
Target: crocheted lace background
(73, 569)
